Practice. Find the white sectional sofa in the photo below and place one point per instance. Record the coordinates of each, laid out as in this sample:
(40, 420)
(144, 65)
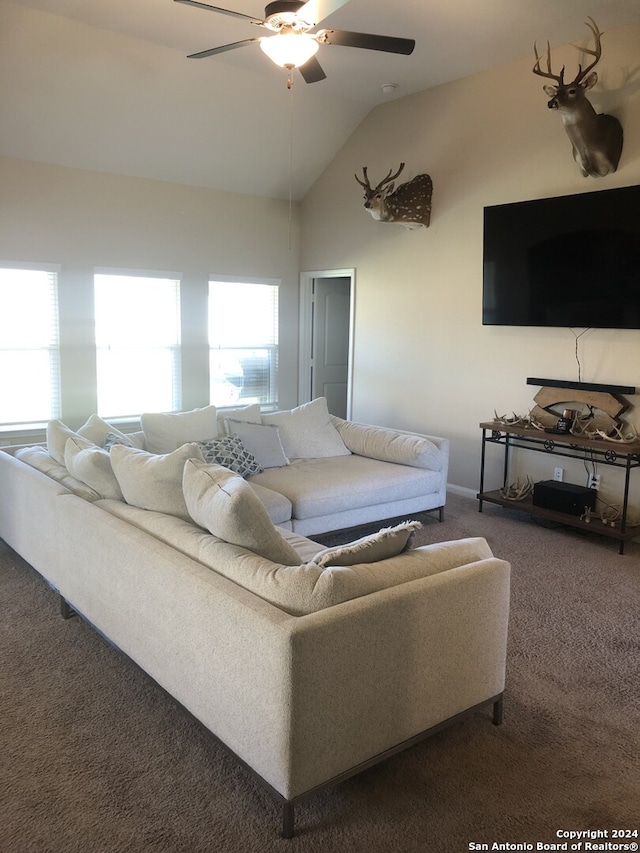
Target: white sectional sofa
(309, 664)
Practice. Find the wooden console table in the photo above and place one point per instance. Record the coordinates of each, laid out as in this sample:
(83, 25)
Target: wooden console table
(615, 454)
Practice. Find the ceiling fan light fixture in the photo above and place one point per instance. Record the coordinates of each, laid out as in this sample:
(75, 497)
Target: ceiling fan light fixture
(290, 50)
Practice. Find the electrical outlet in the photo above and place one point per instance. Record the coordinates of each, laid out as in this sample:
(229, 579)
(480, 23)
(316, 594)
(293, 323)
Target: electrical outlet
(594, 481)
(558, 475)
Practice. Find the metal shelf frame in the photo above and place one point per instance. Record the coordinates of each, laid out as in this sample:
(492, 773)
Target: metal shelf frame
(617, 455)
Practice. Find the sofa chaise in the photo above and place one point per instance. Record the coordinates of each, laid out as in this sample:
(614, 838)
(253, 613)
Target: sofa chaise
(309, 664)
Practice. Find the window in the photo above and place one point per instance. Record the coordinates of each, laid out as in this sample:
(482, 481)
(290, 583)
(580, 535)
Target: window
(243, 341)
(29, 345)
(137, 342)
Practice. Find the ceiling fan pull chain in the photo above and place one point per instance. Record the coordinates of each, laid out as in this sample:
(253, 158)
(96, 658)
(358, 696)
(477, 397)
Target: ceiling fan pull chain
(289, 84)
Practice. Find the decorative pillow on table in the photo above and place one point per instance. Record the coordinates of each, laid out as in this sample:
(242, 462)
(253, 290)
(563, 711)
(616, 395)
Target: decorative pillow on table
(153, 481)
(388, 542)
(230, 452)
(226, 505)
(166, 431)
(92, 466)
(307, 431)
(262, 440)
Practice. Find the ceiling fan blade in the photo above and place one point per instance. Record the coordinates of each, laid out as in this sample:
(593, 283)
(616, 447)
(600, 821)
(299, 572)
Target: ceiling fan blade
(199, 5)
(214, 50)
(312, 71)
(388, 44)
(315, 11)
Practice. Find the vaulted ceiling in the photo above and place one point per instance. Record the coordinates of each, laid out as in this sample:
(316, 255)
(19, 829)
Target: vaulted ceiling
(105, 85)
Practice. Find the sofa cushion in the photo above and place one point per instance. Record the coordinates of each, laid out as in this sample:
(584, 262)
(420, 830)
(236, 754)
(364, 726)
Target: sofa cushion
(389, 445)
(307, 431)
(343, 583)
(387, 542)
(246, 414)
(96, 430)
(263, 440)
(57, 434)
(92, 465)
(230, 452)
(278, 507)
(318, 487)
(166, 431)
(153, 481)
(226, 505)
(305, 588)
(39, 458)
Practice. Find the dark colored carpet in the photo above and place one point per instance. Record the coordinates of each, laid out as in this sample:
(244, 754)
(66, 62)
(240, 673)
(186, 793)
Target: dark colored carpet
(94, 757)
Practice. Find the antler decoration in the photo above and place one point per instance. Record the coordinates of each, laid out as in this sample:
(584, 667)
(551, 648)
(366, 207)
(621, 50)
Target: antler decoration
(596, 139)
(409, 205)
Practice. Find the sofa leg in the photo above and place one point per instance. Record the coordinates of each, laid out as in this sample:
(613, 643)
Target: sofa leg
(66, 611)
(497, 711)
(440, 513)
(288, 817)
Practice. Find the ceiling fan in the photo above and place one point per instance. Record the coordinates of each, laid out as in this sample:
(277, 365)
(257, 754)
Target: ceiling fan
(293, 45)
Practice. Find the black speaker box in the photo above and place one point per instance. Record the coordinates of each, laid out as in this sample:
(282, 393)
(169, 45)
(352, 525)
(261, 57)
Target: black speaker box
(563, 497)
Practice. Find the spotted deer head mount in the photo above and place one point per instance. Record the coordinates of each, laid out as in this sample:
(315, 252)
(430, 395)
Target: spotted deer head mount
(596, 139)
(409, 205)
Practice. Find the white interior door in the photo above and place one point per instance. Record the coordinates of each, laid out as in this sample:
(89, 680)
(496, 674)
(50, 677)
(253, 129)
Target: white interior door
(326, 338)
(330, 342)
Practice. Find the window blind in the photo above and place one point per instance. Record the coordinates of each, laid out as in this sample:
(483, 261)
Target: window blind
(137, 327)
(243, 341)
(29, 344)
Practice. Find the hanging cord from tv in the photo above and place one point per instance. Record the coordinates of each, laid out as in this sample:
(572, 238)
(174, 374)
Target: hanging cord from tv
(577, 337)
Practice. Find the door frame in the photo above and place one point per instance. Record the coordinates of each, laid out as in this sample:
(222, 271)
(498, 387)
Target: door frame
(305, 361)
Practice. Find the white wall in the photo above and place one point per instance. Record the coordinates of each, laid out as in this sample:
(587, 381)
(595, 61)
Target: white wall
(422, 358)
(82, 219)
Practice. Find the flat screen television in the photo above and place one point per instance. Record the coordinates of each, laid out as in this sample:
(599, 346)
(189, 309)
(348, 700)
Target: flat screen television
(568, 261)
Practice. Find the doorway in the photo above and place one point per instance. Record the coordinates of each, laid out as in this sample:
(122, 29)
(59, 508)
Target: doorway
(327, 302)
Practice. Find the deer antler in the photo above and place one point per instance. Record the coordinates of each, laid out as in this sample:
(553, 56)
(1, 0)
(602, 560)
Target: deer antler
(582, 72)
(366, 183)
(559, 78)
(597, 52)
(389, 178)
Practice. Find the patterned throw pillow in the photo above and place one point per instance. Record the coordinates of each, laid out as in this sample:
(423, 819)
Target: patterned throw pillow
(112, 438)
(230, 452)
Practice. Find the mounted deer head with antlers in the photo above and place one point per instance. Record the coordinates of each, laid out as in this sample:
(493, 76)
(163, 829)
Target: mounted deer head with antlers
(596, 138)
(409, 205)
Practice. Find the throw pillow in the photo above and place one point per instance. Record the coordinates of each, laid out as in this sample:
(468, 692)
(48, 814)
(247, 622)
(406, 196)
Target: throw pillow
(57, 435)
(166, 431)
(307, 431)
(153, 481)
(386, 543)
(249, 414)
(112, 438)
(231, 453)
(389, 445)
(263, 440)
(92, 466)
(96, 429)
(226, 505)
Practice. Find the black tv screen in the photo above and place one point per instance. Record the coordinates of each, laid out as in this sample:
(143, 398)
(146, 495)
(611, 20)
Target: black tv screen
(567, 261)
